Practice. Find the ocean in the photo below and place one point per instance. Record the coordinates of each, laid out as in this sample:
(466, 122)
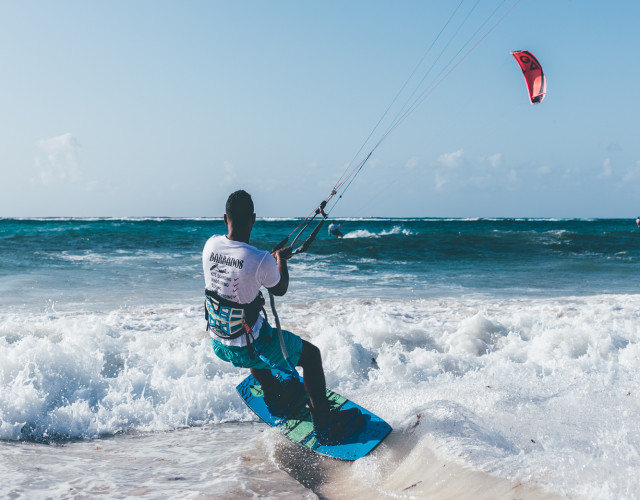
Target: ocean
(504, 353)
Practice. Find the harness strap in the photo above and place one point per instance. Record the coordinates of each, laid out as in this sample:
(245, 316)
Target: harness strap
(250, 340)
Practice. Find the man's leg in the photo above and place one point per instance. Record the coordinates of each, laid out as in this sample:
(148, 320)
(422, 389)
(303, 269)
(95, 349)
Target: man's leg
(268, 382)
(329, 426)
(314, 382)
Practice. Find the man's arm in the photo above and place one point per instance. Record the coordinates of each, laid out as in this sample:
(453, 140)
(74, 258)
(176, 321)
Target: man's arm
(281, 257)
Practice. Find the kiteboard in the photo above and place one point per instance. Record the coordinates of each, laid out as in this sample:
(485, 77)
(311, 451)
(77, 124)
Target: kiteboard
(299, 428)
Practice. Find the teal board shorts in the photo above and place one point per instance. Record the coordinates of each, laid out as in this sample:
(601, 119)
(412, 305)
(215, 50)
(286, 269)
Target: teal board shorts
(267, 344)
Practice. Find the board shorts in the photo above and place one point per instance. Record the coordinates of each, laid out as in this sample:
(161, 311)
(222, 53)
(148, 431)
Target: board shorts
(267, 345)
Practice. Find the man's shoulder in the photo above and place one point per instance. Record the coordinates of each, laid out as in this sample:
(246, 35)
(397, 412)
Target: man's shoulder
(221, 242)
(215, 237)
(213, 242)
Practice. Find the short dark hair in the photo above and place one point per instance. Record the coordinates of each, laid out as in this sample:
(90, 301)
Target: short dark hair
(240, 207)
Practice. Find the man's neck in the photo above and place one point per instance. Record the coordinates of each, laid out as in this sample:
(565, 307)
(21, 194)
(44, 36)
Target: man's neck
(238, 235)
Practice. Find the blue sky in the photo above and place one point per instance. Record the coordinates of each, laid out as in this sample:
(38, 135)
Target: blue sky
(161, 108)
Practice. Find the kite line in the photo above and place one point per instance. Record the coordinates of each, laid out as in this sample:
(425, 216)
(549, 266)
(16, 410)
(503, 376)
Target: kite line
(420, 92)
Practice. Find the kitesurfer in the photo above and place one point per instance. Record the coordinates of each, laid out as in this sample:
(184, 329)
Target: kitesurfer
(234, 272)
(334, 229)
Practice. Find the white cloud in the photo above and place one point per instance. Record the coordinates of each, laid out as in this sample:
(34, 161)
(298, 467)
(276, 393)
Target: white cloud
(544, 170)
(440, 181)
(230, 172)
(412, 162)
(58, 159)
(632, 174)
(571, 172)
(451, 159)
(606, 169)
(495, 160)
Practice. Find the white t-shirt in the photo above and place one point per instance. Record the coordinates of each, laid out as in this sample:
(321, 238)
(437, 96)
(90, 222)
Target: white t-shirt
(236, 271)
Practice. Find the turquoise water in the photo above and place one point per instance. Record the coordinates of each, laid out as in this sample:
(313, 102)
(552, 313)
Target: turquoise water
(98, 263)
(509, 346)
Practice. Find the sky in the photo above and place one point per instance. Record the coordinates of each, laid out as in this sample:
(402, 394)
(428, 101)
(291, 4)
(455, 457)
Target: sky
(141, 108)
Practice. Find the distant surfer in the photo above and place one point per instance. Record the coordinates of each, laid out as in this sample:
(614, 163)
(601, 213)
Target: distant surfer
(334, 229)
(638, 221)
(234, 272)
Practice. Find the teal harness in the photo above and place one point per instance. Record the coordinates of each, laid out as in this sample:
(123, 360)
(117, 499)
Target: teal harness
(229, 320)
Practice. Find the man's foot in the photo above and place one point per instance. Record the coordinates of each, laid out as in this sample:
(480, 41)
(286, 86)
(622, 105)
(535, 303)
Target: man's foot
(289, 399)
(334, 425)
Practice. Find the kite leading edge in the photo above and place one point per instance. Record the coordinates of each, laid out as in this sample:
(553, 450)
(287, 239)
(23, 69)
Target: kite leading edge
(533, 75)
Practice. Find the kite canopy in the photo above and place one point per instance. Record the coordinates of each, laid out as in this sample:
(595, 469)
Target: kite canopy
(533, 75)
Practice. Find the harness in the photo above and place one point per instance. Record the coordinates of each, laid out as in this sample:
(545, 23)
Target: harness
(229, 320)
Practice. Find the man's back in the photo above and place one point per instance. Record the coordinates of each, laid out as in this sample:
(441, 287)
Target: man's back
(236, 270)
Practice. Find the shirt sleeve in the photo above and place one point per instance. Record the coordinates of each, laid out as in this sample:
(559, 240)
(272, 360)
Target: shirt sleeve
(268, 274)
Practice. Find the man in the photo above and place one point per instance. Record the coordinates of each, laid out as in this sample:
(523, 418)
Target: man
(234, 272)
(334, 229)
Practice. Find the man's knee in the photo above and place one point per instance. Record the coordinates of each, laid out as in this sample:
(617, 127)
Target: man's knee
(310, 355)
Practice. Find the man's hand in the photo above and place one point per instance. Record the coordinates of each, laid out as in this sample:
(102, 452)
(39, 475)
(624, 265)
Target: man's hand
(281, 257)
(283, 254)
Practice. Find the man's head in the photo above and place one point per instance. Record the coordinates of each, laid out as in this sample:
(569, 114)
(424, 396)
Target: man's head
(239, 209)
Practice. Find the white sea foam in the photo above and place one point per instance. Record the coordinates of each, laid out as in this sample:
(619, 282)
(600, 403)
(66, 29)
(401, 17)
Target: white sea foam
(535, 390)
(363, 233)
(530, 390)
(114, 258)
(87, 375)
